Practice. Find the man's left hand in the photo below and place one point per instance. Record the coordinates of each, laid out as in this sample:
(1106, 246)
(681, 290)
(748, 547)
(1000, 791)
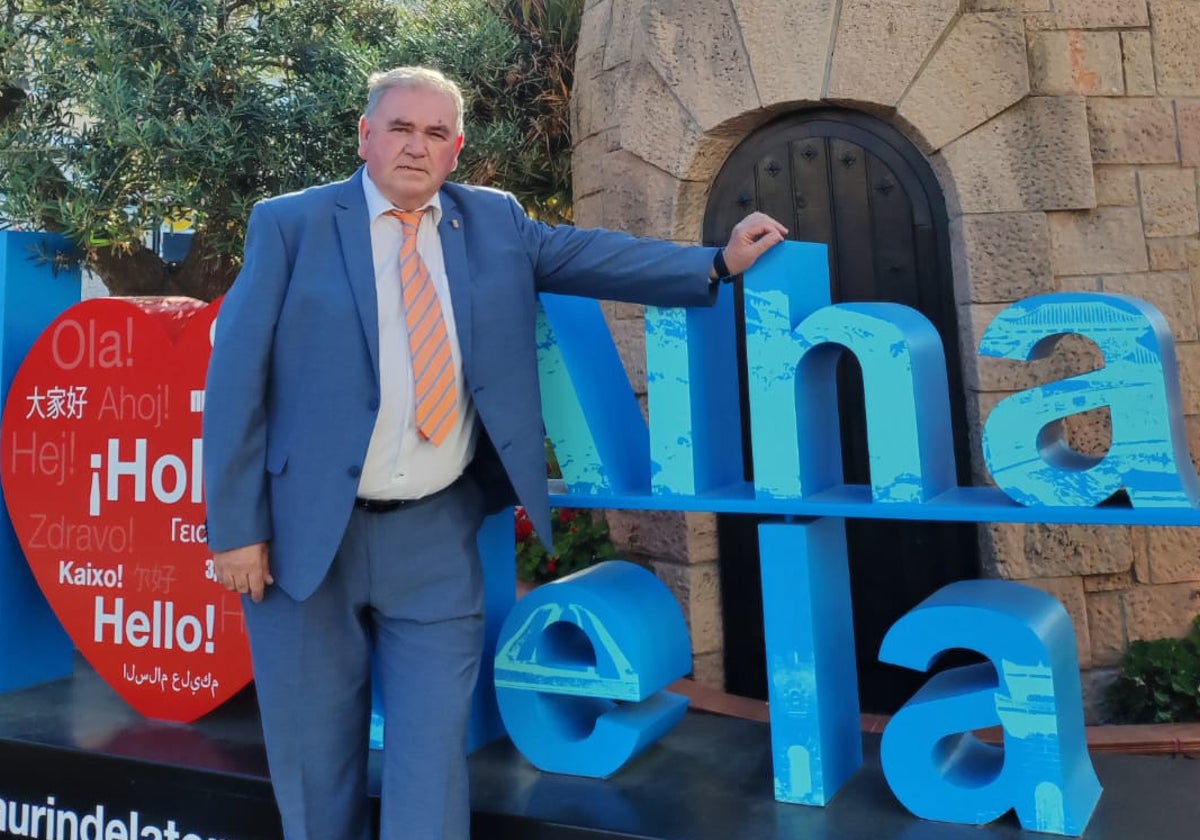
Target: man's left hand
(751, 238)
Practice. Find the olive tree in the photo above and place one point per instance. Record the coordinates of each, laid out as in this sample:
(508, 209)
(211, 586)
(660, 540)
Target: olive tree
(119, 115)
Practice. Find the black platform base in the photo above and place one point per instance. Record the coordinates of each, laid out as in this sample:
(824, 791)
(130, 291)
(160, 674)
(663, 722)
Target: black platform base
(76, 763)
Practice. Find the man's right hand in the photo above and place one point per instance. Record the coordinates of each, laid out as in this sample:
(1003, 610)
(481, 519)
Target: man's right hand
(246, 570)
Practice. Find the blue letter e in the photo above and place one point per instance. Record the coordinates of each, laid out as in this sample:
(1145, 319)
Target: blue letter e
(936, 767)
(580, 668)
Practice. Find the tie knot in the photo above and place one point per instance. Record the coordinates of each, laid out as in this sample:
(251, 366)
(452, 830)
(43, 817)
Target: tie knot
(410, 219)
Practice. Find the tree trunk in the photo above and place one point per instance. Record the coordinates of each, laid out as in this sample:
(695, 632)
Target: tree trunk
(142, 272)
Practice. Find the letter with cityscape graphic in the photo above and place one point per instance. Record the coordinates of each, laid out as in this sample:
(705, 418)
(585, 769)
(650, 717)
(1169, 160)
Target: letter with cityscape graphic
(1029, 686)
(812, 682)
(692, 387)
(1023, 440)
(591, 414)
(910, 448)
(581, 665)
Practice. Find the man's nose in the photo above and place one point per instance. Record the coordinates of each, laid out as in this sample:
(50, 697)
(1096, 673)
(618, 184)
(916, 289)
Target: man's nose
(415, 145)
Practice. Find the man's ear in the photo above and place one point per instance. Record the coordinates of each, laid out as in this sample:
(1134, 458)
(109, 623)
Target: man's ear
(457, 149)
(363, 132)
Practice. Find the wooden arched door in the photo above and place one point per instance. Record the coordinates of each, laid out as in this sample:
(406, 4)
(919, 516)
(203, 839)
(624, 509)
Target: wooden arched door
(856, 184)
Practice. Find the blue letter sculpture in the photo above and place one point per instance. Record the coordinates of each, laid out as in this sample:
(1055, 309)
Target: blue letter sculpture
(1031, 688)
(581, 668)
(1023, 441)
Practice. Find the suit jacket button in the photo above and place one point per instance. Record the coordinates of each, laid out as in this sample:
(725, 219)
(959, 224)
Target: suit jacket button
(354, 472)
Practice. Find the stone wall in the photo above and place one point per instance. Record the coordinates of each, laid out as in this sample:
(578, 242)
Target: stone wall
(1066, 137)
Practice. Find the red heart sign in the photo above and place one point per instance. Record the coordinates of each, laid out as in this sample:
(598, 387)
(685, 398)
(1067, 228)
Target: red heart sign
(102, 475)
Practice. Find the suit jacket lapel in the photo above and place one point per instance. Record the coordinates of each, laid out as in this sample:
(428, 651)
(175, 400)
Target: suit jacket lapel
(458, 273)
(354, 232)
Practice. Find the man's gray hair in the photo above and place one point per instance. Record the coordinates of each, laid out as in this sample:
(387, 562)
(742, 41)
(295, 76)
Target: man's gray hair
(413, 77)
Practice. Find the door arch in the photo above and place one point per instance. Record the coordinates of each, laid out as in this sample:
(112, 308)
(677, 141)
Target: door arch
(858, 185)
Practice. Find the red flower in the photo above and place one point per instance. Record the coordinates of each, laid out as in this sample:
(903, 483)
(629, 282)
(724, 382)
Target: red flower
(552, 564)
(566, 515)
(524, 525)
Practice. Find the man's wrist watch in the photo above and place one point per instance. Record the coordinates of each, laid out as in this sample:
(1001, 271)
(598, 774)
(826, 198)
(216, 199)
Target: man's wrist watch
(720, 268)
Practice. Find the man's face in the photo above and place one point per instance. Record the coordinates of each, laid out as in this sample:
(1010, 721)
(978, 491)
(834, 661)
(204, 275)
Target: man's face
(410, 144)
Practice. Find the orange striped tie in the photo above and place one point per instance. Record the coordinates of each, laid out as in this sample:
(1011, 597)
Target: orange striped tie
(435, 393)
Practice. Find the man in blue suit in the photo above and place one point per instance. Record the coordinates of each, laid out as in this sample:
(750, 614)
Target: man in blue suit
(342, 501)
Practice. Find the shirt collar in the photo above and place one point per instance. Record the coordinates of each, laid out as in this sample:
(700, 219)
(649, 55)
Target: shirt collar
(377, 204)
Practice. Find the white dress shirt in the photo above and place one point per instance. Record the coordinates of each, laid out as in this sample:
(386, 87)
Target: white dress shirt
(400, 464)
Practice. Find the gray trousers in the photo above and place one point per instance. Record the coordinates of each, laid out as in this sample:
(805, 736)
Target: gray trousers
(408, 585)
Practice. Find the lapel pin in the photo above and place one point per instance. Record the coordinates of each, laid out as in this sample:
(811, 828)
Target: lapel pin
(454, 223)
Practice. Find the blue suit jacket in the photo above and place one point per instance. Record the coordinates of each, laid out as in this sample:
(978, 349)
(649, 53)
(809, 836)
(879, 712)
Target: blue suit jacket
(293, 385)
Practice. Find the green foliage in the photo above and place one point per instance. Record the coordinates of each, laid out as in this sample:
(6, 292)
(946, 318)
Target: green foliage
(118, 114)
(580, 540)
(1160, 681)
(136, 111)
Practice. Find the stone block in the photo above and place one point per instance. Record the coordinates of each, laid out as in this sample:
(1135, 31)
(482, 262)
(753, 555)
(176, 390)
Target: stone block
(1169, 254)
(1116, 186)
(708, 669)
(1191, 427)
(1170, 292)
(626, 311)
(698, 589)
(979, 405)
(1176, 46)
(1106, 627)
(588, 176)
(593, 106)
(1160, 612)
(1089, 432)
(1132, 130)
(1002, 550)
(980, 66)
(1100, 14)
(638, 198)
(788, 61)
(697, 49)
(1006, 6)
(656, 128)
(691, 199)
(1137, 58)
(1107, 240)
(1069, 592)
(1040, 22)
(1188, 356)
(1067, 550)
(657, 534)
(1188, 113)
(588, 211)
(879, 47)
(1034, 156)
(702, 543)
(618, 41)
(1169, 202)
(1076, 62)
(1174, 554)
(630, 339)
(1002, 257)
(1116, 582)
(594, 27)
(1138, 540)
